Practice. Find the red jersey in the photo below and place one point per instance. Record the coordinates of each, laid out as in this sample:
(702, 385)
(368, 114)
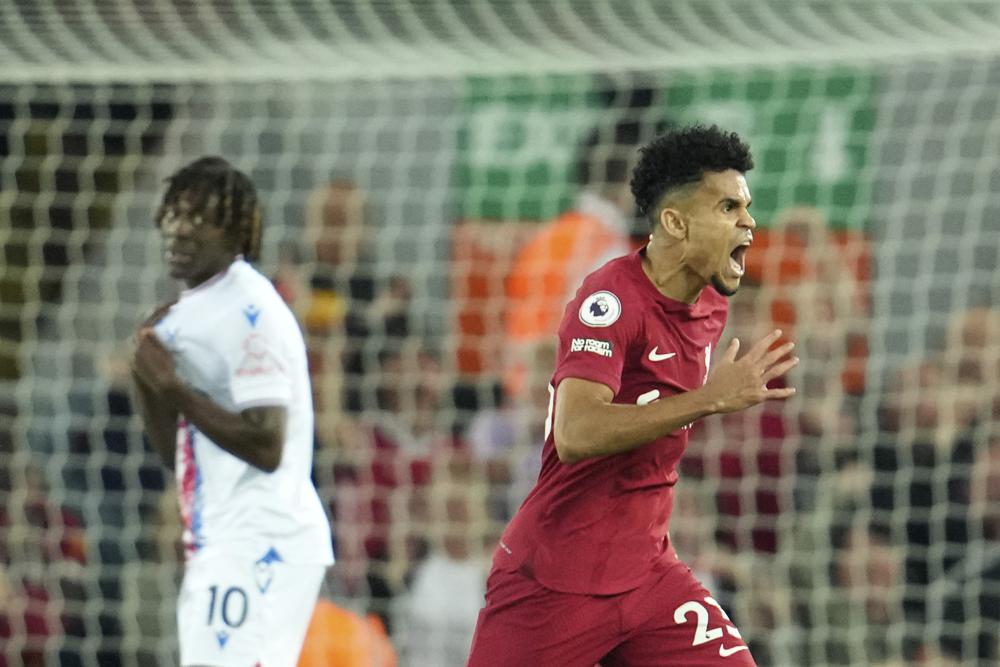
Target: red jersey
(599, 527)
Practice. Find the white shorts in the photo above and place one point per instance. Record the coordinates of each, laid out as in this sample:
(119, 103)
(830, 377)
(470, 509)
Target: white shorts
(242, 613)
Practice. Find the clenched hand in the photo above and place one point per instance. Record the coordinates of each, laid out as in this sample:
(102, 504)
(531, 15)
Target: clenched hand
(152, 364)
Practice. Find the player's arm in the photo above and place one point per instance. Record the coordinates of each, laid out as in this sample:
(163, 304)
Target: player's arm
(254, 435)
(587, 423)
(159, 421)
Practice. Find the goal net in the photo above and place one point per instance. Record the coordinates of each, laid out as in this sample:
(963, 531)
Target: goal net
(413, 159)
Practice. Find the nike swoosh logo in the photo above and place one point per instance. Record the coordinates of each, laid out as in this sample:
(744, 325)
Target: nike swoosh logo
(726, 652)
(653, 356)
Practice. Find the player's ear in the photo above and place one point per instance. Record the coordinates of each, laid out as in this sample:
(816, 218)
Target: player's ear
(672, 223)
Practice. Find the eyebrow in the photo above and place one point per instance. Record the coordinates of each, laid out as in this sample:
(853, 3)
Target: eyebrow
(731, 200)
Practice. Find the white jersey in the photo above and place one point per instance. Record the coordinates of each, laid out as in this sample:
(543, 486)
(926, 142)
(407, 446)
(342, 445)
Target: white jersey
(235, 340)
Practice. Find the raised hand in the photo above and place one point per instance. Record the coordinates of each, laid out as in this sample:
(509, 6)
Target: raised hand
(738, 384)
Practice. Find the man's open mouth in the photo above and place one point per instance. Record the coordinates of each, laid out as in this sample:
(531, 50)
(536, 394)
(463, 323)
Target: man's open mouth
(738, 258)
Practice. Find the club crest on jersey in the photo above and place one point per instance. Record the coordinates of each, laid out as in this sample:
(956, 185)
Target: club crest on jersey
(600, 309)
(263, 569)
(257, 358)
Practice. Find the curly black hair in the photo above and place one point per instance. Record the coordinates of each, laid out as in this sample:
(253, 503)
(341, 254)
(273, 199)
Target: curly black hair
(681, 157)
(237, 209)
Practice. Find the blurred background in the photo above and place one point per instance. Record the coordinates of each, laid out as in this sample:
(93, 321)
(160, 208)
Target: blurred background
(437, 177)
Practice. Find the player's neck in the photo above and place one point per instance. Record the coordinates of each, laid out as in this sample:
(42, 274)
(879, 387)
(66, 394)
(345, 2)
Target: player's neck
(665, 268)
(210, 274)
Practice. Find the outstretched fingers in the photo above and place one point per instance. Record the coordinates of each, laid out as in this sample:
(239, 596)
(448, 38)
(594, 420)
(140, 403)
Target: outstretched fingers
(729, 356)
(758, 351)
(778, 370)
(777, 354)
(778, 394)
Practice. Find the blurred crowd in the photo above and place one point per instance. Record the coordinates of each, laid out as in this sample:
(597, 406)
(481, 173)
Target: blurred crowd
(856, 524)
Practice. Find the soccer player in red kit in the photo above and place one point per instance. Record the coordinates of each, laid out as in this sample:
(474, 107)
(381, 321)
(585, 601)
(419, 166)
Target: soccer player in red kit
(585, 573)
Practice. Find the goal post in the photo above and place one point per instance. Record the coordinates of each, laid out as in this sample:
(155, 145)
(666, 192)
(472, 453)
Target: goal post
(406, 153)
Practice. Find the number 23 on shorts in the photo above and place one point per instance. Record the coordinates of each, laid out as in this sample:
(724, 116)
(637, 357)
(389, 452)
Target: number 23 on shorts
(704, 634)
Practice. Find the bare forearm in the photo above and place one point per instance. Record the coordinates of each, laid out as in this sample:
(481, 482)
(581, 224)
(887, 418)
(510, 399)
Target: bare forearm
(251, 435)
(159, 423)
(607, 428)
(589, 424)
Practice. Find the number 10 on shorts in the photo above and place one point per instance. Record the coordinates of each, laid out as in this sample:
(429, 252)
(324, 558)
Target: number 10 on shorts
(231, 606)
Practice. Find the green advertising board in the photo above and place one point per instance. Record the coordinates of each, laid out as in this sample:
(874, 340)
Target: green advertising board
(810, 131)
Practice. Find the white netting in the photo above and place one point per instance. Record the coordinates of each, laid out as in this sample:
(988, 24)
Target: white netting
(256, 39)
(432, 140)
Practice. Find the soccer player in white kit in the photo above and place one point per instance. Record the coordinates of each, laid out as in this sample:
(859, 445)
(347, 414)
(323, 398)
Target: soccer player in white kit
(223, 389)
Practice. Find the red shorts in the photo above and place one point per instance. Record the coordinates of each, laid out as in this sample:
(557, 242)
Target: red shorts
(671, 620)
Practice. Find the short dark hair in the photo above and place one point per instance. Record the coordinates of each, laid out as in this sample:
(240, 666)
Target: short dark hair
(237, 209)
(681, 157)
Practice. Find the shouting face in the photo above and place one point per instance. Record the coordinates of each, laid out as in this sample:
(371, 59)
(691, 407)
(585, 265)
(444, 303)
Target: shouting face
(719, 229)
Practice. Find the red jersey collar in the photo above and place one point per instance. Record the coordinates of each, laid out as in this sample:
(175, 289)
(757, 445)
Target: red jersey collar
(701, 307)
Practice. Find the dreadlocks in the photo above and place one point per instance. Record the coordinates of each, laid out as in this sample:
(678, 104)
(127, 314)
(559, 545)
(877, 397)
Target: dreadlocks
(211, 181)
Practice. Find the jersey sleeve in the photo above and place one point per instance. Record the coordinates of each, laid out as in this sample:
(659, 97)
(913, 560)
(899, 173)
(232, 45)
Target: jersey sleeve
(257, 362)
(594, 337)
